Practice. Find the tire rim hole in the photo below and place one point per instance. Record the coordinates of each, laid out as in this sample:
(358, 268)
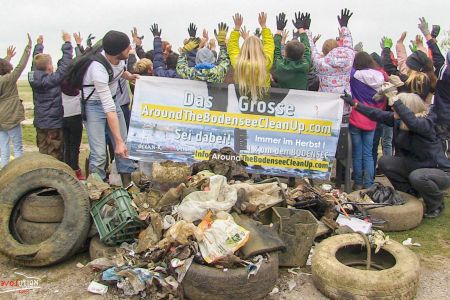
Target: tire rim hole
(354, 256)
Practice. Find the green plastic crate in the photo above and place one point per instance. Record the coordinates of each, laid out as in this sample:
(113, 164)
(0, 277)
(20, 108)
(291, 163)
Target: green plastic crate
(116, 220)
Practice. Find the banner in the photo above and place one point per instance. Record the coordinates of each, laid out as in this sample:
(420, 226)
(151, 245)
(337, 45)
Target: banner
(291, 133)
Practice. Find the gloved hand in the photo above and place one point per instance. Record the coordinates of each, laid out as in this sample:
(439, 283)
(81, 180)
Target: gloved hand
(413, 46)
(435, 31)
(388, 90)
(345, 16)
(396, 81)
(281, 21)
(358, 47)
(192, 44)
(348, 99)
(297, 22)
(423, 26)
(155, 30)
(392, 97)
(192, 30)
(295, 34)
(221, 34)
(257, 32)
(386, 42)
(306, 20)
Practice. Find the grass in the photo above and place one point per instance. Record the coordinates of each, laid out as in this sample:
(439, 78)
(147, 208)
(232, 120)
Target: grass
(433, 235)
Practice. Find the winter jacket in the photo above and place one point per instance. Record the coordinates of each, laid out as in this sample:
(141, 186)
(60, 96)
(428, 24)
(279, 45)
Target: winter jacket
(420, 144)
(159, 66)
(292, 74)
(364, 84)
(212, 74)
(11, 108)
(334, 68)
(441, 105)
(268, 49)
(48, 108)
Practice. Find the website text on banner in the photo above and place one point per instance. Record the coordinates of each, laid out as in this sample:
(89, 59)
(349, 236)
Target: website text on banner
(291, 133)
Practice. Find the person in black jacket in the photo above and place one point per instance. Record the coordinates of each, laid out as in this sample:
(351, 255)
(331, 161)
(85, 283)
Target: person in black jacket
(46, 86)
(419, 166)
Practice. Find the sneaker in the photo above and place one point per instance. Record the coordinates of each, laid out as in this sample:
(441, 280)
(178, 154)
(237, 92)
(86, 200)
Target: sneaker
(357, 187)
(79, 175)
(433, 214)
(379, 173)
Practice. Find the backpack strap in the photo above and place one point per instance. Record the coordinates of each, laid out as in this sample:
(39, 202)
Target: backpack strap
(98, 57)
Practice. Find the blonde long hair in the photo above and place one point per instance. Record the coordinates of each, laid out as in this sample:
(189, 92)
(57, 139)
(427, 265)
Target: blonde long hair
(250, 72)
(415, 104)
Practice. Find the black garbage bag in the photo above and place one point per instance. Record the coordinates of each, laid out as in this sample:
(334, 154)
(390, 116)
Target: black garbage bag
(384, 194)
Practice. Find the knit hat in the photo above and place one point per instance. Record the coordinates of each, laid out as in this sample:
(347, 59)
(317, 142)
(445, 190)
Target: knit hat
(114, 42)
(419, 61)
(205, 55)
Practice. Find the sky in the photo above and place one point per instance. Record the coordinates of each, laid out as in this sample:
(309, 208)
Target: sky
(371, 19)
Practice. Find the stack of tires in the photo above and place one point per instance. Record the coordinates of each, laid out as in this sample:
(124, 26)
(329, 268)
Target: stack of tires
(44, 211)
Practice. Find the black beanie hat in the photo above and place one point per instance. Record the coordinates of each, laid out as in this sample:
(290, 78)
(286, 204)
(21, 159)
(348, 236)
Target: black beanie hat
(419, 61)
(115, 42)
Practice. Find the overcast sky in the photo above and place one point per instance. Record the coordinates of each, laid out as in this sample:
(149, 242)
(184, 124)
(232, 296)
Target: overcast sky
(371, 20)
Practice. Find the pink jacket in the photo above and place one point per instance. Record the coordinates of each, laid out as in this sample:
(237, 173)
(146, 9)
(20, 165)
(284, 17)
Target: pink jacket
(334, 68)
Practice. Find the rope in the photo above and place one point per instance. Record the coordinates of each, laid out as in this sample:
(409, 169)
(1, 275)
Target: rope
(369, 250)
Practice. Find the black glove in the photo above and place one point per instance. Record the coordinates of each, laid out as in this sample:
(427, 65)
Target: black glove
(297, 22)
(155, 30)
(306, 20)
(435, 31)
(192, 30)
(348, 99)
(295, 34)
(345, 16)
(89, 40)
(281, 21)
(257, 32)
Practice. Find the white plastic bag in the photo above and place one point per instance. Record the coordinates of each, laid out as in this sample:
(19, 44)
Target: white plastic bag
(114, 176)
(220, 197)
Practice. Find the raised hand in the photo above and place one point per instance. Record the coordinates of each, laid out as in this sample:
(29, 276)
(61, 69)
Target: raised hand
(89, 40)
(358, 47)
(29, 40)
(423, 26)
(192, 44)
(281, 21)
(257, 32)
(413, 46)
(155, 30)
(192, 30)
(40, 40)
(386, 43)
(66, 37)
(435, 31)
(284, 36)
(137, 40)
(244, 33)
(295, 34)
(238, 21)
(344, 17)
(316, 38)
(205, 34)
(419, 41)
(10, 52)
(402, 38)
(77, 37)
(297, 21)
(305, 20)
(262, 19)
(221, 33)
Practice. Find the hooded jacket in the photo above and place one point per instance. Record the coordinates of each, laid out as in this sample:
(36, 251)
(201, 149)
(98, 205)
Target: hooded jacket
(364, 84)
(420, 144)
(292, 74)
(215, 74)
(334, 68)
(48, 108)
(441, 105)
(159, 66)
(268, 49)
(11, 108)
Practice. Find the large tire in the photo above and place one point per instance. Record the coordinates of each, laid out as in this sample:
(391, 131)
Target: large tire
(34, 233)
(398, 217)
(70, 235)
(97, 249)
(202, 282)
(338, 281)
(45, 206)
(29, 162)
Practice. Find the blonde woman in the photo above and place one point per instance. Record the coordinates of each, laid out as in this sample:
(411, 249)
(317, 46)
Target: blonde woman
(419, 166)
(253, 61)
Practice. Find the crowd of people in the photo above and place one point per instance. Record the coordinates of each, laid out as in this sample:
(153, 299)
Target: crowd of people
(400, 101)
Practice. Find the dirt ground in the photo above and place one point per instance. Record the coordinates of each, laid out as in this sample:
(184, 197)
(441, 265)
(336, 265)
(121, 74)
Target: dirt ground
(67, 281)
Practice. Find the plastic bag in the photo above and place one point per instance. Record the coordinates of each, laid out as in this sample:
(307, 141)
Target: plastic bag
(221, 238)
(220, 197)
(384, 194)
(114, 176)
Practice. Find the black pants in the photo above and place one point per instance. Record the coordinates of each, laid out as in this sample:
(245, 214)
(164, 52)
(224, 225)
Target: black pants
(428, 183)
(73, 130)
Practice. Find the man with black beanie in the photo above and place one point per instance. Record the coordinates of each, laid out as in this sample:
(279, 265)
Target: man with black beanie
(103, 114)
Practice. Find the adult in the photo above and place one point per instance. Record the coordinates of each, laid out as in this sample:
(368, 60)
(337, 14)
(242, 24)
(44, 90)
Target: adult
(11, 107)
(103, 114)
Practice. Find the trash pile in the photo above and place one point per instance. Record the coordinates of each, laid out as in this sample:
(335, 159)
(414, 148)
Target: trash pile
(212, 214)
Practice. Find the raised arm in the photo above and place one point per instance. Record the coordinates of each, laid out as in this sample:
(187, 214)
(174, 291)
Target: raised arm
(15, 74)
(233, 43)
(38, 49)
(281, 24)
(401, 54)
(343, 19)
(438, 58)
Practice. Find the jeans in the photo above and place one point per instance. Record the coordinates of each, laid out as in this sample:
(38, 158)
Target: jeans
(14, 134)
(72, 131)
(97, 128)
(383, 133)
(427, 182)
(363, 167)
